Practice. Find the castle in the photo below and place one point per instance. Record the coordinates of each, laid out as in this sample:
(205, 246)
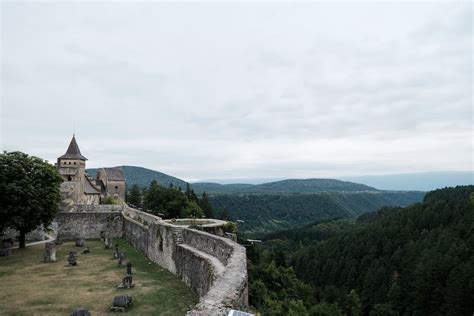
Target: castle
(79, 188)
(211, 264)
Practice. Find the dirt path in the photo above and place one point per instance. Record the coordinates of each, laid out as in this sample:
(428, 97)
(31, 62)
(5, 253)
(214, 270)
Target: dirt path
(36, 242)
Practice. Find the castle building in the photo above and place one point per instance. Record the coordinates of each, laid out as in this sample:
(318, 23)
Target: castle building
(112, 183)
(78, 188)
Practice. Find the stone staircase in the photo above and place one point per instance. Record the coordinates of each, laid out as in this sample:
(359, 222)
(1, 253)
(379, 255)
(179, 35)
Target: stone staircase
(178, 235)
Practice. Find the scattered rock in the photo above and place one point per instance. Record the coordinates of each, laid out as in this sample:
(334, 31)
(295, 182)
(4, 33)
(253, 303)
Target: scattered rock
(122, 258)
(107, 243)
(80, 311)
(121, 303)
(80, 242)
(72, 258)
(127, 282)
(49, 252)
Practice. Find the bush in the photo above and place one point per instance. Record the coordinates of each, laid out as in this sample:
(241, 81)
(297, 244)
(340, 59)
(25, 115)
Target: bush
(109, 200)
(230, 227)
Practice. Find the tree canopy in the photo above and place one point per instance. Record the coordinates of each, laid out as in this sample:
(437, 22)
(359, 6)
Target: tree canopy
(170, 201)
(134, 196)
(29, 192)
(417, 260)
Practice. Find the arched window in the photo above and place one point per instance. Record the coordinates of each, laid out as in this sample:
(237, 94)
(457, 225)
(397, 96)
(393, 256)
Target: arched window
(69, 178)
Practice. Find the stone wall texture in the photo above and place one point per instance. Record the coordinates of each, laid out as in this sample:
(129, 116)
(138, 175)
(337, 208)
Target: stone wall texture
(215, 267)
(89, 224)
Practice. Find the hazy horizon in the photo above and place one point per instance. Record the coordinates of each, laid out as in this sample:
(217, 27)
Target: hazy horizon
(246, 90)
(415, 181)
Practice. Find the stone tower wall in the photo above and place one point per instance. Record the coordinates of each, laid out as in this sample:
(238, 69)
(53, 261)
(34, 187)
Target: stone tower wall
(73, 189)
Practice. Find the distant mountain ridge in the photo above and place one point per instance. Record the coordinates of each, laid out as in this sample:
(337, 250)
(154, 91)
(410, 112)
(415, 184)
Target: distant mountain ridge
(417, 181)
(285, 186)
(284, 204)
(143, 176)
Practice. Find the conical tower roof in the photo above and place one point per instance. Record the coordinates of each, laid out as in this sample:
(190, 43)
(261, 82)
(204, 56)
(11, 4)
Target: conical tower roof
(73, 151)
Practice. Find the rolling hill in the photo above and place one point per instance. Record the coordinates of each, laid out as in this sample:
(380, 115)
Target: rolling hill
(285, 204)
(142, 177)
(285, 186)
(417, 260)
(266, 213)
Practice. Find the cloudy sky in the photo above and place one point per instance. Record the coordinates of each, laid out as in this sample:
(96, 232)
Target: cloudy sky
(204, 91)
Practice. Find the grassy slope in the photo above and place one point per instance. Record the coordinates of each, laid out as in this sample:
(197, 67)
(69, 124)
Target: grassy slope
(31, 286)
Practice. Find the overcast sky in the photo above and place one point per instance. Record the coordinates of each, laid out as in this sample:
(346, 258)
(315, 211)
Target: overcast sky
(204, 91)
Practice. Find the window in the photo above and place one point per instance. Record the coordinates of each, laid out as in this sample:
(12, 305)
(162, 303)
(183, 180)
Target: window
(69, 178)
(74, 162)
(116, 187)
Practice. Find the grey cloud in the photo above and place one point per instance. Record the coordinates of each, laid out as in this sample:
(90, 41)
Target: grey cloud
(247, 90)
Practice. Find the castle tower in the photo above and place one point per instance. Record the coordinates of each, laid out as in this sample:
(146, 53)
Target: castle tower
(72, 167)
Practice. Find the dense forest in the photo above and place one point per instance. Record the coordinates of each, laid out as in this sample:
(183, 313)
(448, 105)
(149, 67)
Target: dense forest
(417, 260)
(267, 207)
(265, 213)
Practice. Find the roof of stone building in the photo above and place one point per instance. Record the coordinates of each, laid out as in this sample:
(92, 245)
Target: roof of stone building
(89, 188)
(114, 174)
(73, 151)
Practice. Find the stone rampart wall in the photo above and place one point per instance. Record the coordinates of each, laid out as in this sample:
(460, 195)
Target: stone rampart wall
(85, 208)
(147, 234)
(195, 270)
(89, 224)
(215, 267)
(230, 288)
(208, 243)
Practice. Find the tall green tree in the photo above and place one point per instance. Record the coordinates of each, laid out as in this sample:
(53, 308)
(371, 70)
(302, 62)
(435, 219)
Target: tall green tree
(29, 192)
(225, 214)
(206, 205)
(190, 193)
(169, 201)
(134, 196)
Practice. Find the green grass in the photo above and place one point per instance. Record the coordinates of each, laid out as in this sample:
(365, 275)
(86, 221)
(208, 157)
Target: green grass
(31, 287)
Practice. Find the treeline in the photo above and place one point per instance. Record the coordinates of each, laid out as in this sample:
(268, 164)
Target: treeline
(417, 260)
(266, 213)
(170, 202)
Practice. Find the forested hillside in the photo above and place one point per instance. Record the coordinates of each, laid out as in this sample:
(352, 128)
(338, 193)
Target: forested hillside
(417, 260)
(143, 177)
(285, 186)
(279, 205)
(272, 212)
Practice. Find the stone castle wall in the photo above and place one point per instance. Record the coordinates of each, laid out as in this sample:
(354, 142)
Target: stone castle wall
(147, 234)
(215, 267)
(89, 220)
